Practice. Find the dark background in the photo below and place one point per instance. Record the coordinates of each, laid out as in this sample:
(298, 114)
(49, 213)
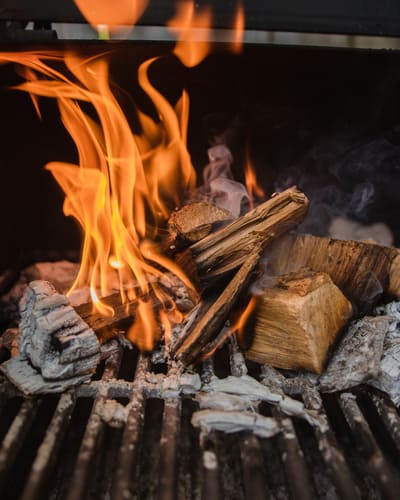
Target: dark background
(316, 117)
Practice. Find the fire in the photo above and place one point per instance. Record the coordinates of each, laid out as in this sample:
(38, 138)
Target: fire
(117, 192)
(125, 184)
(238, 30)
(192, 29)
(104, 17)
(253, 188)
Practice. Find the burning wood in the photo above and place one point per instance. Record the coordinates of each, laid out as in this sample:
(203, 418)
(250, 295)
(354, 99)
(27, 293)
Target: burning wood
(227, 249)
(297, 320)
(189, 347)
(363, 271)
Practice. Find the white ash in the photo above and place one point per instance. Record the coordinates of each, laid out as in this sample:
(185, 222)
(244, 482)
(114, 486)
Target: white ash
(173, 384)
(112, 412)
(235, 421)
(357, 359)
(250, 389)
(388, 379)
(53, 338)
(224, 402)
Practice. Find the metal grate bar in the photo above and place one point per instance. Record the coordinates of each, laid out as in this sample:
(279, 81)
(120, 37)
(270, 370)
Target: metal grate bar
(93, 435)
(15, 436)
(253, 468)
(293, 460)
(333, 457)
(169, 449)
(48, 450)
(124, 486)
(377, 465)
(389, 416)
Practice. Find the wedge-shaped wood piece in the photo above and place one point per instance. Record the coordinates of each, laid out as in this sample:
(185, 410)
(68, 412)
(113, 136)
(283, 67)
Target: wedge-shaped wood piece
(194, 221)
(363, 271)
(297, 320)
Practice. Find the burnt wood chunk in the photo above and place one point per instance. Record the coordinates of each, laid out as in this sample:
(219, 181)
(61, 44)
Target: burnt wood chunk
(297, 320)
(228, 248)
(356, 359)
(53, 338)
(363, 271)
(194, 221)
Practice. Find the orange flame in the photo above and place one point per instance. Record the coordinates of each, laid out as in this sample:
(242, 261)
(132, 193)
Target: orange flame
(118, 193)
(241, 322)
(104, 15)
(192, 29)
(250, 178)
(238, 30)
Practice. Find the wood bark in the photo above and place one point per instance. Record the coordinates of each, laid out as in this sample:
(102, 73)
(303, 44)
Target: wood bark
(297, 320)
(363, 271)
(227, 249)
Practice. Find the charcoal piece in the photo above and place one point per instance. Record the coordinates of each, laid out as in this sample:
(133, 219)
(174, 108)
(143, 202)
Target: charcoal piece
(54, 340)
(185, 298)
(235, 421)
(61, 274)
(29, 380)
(388, 379)
(357, 358)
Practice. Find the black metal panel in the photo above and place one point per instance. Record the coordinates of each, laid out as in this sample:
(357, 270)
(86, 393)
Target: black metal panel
(334, 16)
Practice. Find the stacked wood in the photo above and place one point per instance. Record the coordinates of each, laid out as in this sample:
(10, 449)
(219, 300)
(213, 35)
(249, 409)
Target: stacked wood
(363, 271)
(228, 248)
(297, 320)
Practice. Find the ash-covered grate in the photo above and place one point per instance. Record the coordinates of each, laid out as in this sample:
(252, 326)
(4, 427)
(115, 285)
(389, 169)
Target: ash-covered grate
(129, 435)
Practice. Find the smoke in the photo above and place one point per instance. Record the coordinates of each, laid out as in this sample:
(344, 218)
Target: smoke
(218, 186)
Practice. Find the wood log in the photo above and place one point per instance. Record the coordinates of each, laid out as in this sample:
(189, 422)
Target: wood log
(193, 222)
(227, 249)
(363, 271)
(211, 322)
(296, 321)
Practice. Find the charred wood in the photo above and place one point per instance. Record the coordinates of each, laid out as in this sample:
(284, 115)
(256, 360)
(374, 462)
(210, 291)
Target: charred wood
(210, 324)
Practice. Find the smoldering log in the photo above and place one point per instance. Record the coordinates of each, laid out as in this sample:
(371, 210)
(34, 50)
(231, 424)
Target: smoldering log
(363, 271)
(297, 320)
(208, 326)
(227, 249)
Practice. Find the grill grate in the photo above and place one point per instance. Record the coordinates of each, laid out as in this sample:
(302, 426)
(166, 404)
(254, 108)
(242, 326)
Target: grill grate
(62, 448)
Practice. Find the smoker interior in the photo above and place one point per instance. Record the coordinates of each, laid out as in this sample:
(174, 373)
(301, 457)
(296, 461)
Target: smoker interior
(321, 118)
(59, 446)
(297, 111)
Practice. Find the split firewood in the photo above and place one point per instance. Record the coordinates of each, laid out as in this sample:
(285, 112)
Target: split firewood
(297, 320)
(363, 271)
(53, 338)
(193, 222)
(210, 323)
(356, 359)
(227, 249)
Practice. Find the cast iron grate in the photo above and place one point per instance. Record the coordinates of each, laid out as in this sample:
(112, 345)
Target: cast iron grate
(59, 447)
